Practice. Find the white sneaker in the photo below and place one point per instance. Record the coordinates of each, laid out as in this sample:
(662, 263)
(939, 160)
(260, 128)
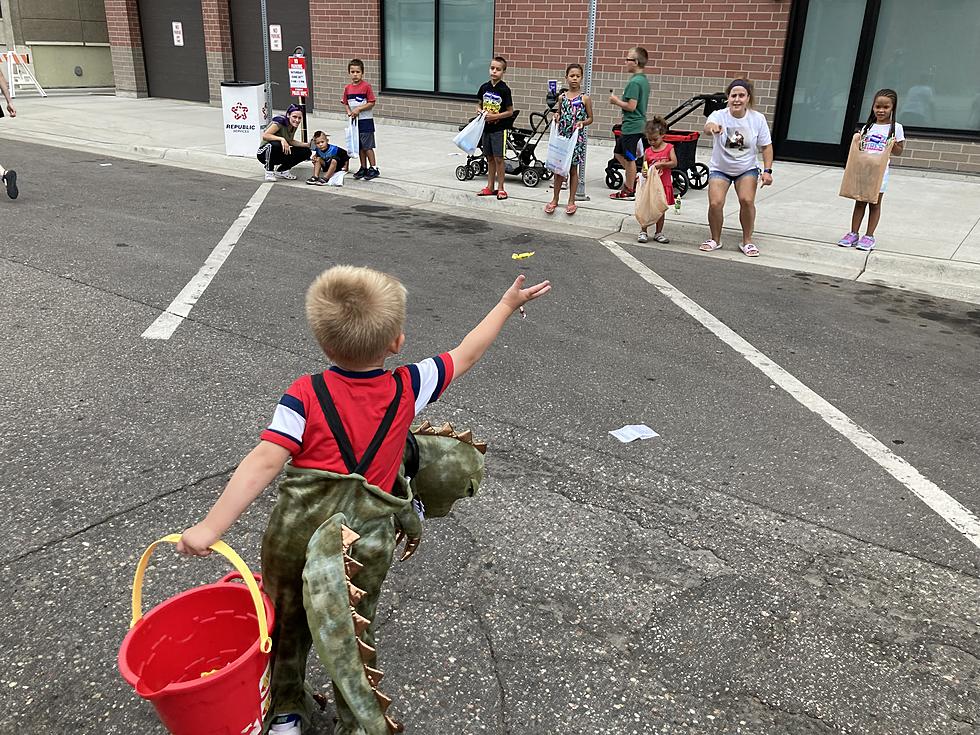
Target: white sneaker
(642, 237)
(270, 176)
(661, 237)
(286, 725)
(287, 175)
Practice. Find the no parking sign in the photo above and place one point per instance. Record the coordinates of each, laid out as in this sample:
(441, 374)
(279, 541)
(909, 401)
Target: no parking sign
(297, 77)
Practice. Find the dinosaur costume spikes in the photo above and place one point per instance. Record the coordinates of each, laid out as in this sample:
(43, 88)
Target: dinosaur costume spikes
(367, 652)
(361, 623)
(355, 594)
(466, 437)
(384, 701)
(348, 536)
(351, 566)
(393, 726)
(374, 676)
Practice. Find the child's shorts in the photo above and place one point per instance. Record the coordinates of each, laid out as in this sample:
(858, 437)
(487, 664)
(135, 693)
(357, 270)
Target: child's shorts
(367, 141)
(493, 144)
(626, 145)
(884, 182)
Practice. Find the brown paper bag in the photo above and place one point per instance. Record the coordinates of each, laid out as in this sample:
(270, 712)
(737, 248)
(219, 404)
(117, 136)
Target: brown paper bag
(651, 201)
(864, 172)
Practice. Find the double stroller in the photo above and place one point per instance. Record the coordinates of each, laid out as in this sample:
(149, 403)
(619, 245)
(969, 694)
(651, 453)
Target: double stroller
(689, 174)
(519, 156)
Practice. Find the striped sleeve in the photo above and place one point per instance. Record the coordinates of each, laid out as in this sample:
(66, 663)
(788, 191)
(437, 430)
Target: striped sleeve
(430, 378)
(288, 423)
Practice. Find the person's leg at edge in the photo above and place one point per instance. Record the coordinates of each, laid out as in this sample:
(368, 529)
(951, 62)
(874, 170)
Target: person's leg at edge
(745, 188)
(660, 223)
(717, 191)
(499, 163)
(556, 192)
(372, 161)
(874, 215)
(331, 169)
(622, 162)
(857, 216)
(572, 186)
(630, 182)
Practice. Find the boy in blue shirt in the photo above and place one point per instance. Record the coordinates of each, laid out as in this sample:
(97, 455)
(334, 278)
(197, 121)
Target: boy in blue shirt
(327, 159)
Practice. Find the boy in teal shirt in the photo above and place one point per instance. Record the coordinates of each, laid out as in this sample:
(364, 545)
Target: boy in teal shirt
(634, 106)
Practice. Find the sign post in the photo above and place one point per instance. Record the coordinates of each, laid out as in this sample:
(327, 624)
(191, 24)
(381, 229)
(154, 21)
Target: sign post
(267, 108)
(298, 86)
(589, 53)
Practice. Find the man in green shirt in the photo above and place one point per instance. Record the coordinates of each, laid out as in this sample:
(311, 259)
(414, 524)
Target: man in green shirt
(634, 106)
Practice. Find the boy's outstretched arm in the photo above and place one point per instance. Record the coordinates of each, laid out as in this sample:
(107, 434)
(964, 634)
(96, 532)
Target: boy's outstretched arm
(253, 475)
(474, 344)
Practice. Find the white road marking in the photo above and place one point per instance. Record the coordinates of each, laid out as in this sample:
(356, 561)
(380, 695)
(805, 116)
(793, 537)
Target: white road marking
(165, 324)
(951, 511)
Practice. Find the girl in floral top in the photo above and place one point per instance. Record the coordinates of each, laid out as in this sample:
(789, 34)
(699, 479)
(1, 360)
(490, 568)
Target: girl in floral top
(574, 113)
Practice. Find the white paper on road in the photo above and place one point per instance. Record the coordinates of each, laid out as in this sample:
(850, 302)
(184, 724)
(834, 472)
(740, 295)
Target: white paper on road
(632, 432)
(337, 179)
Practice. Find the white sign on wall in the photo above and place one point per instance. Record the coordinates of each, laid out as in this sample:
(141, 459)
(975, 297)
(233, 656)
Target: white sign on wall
(275, 38)
(178, 33)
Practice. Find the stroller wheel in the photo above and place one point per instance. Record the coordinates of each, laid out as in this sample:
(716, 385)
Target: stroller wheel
(698, 176)
(614, 179)
(531, 176)
(679, 180)
(462, 172)
(475, 166)
(484, 167)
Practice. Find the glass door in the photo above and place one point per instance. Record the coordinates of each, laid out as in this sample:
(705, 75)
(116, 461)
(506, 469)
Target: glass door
(823, 78)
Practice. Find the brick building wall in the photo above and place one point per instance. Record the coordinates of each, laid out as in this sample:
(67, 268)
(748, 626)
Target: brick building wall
(695, 46)
(125, 39)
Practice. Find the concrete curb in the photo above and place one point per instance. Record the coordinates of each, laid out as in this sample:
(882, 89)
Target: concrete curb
(933, 276)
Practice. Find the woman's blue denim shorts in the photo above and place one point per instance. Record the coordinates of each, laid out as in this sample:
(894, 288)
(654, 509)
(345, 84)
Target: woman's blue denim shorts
(732, 179)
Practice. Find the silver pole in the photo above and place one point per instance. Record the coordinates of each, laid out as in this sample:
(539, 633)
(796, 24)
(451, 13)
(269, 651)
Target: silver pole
(589, 52)
(265, 58)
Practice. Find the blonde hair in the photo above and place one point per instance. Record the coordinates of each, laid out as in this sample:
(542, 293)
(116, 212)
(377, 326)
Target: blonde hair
(355, 313)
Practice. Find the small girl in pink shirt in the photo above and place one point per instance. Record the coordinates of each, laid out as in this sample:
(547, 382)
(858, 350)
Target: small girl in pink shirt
(659, 155)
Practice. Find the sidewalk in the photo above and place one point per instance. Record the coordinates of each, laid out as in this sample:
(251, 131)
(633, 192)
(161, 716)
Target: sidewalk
(929, 236)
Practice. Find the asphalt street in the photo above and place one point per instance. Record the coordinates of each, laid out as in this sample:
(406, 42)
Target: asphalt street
(749, 571)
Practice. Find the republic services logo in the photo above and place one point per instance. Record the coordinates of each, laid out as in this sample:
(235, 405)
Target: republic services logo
(240, 111)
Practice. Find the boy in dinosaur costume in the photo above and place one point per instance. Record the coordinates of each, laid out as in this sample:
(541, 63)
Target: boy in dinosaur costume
(345, 434)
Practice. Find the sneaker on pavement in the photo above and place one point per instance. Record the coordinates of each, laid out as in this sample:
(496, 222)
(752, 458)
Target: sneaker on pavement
(661, 237)
(849, 240)
(286, 725)
(270, 176)
(372, 173)
(10, 179)
(287, 175)
(866, 243)
(359, 174)
(642, 237)
(313, 181)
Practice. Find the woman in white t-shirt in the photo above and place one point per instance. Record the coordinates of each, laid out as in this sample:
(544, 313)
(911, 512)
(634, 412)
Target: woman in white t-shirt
(740, 135)
(877, 131)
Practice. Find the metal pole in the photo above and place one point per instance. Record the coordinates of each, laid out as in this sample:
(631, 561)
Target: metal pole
(265, 58)
(589, 53)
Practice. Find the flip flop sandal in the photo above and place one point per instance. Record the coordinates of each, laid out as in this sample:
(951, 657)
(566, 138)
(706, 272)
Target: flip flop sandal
(501, 194)
(749, 249)
(550, 208)
(709, 246)
(571, 209)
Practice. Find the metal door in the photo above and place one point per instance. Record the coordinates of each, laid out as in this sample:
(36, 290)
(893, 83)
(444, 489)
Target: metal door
(293, 17)
(174, 71)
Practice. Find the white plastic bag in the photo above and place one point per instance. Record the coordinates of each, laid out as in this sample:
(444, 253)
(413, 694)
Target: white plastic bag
(560, 151)
(353, 138)
(468, 139)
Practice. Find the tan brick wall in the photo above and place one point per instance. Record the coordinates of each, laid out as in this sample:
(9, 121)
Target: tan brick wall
(128, 69)
(943, 155)
(217, 45)
(332, 37)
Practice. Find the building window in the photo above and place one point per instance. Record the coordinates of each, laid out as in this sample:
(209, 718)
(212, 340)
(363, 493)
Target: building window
(437, 46)
(929, 53)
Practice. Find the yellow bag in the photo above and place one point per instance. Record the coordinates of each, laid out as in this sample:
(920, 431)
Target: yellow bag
(864, 172)
(651, 201)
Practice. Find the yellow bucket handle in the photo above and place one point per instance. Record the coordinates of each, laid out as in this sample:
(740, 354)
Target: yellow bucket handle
(265, 642)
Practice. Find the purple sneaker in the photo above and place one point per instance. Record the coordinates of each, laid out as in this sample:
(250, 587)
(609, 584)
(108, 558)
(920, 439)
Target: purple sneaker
(866, 243)
(849, 240)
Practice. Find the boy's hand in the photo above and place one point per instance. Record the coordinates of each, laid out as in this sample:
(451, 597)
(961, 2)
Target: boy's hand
(196, 540)
(516, 296)
(613, 100)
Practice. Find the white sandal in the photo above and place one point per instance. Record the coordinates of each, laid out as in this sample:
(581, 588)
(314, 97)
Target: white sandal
(709, 245)
(749, 249)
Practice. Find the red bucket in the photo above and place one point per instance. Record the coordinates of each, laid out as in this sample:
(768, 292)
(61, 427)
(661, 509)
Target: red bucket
(202, 657)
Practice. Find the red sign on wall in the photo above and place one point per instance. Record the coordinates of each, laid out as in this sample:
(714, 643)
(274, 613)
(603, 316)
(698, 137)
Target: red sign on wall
(297, 77)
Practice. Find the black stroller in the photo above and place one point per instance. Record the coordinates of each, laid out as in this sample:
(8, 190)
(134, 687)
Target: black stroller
(688, 173)
(519, 156)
